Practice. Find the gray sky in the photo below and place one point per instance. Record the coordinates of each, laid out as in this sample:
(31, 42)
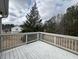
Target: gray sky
(47, 8)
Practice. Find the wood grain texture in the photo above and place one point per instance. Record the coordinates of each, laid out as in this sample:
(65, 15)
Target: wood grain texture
(37, 50)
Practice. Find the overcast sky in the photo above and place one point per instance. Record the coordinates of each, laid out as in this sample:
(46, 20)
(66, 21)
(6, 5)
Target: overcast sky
(47, 8)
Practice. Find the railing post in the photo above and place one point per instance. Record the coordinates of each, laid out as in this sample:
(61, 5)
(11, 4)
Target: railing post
(0, 31)
(66, 43)
(75, 45)
(54, 39)
(0, 42)
(38, 36)
(72, 45)
(26, 38)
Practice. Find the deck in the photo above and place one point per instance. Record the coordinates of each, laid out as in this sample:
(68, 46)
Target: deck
(37, 50)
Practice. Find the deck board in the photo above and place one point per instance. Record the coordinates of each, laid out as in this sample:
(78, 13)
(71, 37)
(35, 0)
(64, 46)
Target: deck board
(37, 50)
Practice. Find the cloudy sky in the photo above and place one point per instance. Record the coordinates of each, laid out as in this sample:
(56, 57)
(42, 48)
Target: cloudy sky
(18, 9)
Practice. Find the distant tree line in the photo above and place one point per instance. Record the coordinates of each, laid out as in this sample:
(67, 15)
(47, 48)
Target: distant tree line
(69, 22)
(7, 27)
(67, 25)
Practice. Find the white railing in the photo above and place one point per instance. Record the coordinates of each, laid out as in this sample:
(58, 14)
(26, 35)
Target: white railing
(69, 43)
(9, 41)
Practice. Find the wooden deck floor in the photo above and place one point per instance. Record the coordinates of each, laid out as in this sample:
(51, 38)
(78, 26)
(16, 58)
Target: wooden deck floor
(37, 50)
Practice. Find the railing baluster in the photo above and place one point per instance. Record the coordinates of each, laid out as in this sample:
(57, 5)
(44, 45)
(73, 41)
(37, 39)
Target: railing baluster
(72, 44)
(26, 38)
(9, 42)
(59, 40)
(69, 44)
(41, 36)
(75, 45)
(54, 40)
(66, 43)
(38, 36)
(13, 40)
(5, 45)
(2, 42)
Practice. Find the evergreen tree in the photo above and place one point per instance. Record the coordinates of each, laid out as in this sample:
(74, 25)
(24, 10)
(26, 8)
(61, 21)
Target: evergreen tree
(33, 22)
(50, 25)
(69, 23)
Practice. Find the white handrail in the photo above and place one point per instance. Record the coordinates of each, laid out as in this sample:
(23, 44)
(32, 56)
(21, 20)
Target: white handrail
(59, 35)
(64, 41)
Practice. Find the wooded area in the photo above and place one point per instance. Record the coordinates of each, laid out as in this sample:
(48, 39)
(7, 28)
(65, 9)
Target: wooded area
(68, 24)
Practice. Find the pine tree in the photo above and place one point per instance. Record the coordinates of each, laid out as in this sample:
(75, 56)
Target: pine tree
(50, 25)
(33, 22)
